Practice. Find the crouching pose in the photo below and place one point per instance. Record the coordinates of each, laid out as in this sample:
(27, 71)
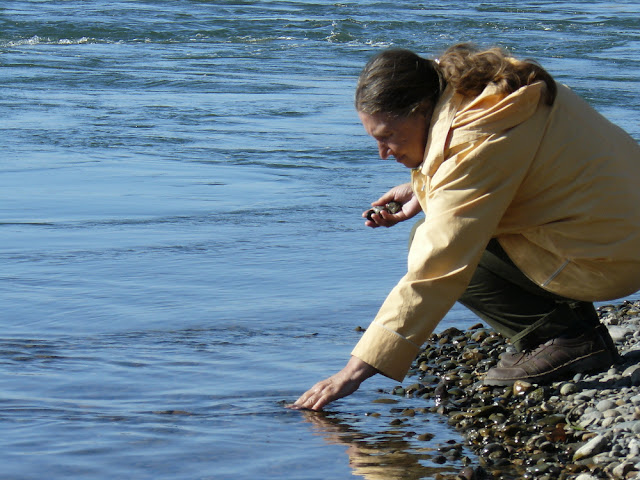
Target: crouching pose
(531, 204)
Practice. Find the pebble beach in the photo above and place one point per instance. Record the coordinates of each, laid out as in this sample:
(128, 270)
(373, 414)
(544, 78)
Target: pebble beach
(583, 428)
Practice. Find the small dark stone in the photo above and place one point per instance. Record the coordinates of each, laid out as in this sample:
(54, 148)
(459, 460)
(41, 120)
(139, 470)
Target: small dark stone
(399, 391)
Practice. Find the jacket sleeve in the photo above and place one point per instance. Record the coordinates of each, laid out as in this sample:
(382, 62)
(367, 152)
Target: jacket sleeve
(467, 196)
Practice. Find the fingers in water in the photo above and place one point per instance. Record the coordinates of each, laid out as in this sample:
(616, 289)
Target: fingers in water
(293, 406)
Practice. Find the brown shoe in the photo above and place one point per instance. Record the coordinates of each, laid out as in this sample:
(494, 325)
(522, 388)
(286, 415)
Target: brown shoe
(557, 358)
(510, 359)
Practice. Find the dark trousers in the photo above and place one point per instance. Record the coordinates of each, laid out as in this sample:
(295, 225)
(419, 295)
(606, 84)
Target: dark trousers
(501, 295)
(513, 305)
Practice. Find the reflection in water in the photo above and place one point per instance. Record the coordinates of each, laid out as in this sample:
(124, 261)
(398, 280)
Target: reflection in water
(390, 454)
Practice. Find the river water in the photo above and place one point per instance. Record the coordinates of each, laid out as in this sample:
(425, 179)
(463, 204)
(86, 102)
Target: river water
(182, 250)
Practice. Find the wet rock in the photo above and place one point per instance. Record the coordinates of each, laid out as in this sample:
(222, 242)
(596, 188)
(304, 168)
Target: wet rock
(469, 473)
(466, 473)
(521, 387)
(400, 391)
(385, 400)
(531, 431)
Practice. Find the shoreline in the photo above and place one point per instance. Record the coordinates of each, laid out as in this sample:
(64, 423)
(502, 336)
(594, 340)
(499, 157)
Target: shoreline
(586, 427)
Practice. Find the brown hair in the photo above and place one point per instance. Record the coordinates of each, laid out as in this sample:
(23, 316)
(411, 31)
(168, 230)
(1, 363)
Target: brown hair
(399, 82)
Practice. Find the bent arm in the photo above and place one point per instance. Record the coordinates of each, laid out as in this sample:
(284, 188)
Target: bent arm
(467, 198)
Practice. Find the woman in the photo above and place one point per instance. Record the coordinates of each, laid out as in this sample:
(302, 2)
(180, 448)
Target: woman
(531, 205)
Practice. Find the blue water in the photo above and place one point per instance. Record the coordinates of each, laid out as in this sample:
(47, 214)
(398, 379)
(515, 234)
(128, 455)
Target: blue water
(182, 250)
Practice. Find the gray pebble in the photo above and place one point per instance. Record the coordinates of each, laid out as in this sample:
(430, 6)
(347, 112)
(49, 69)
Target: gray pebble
(592, 447)
(634, 448)
(618, 334)
(590, 419)
(630, 370)
(632, 426)
(612, 413)
(568, 389)
(621, 470)
(606, 404)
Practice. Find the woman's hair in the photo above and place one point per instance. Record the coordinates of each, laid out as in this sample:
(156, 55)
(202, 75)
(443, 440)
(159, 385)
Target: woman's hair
(400, 83)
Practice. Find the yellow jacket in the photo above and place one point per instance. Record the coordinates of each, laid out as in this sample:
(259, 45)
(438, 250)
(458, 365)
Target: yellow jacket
(558, 186)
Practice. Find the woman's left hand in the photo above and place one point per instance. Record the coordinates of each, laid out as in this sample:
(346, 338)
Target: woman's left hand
(402, 194)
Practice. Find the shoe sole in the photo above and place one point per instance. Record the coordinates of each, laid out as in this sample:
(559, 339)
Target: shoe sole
(597, 361)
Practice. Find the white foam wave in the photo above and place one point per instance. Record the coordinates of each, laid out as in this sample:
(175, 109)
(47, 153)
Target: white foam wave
(37, 40)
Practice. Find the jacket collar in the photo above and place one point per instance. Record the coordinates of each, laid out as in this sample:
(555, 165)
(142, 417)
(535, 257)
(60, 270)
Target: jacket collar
(441, 121)
(458, 119)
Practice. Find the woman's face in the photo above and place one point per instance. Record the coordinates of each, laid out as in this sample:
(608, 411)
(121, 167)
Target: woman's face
(404, 138)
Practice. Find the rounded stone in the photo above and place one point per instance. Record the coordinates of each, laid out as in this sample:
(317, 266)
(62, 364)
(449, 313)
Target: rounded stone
(568, 389)
(606, 404)
(520, 387)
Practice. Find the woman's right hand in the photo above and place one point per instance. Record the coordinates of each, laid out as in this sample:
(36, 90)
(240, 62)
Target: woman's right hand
(402, 194)
(343, 383)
